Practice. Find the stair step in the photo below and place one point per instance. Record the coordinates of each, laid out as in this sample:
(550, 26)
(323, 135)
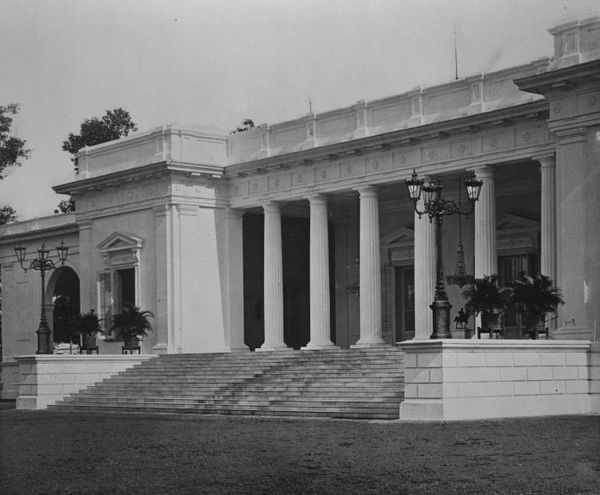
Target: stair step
(361, 383)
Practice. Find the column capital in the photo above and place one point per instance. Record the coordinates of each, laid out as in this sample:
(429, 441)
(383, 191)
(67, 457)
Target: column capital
(317, 199)
(271, 206)
(484, 171)
(367, 191)
(546, 161)
(234, 212)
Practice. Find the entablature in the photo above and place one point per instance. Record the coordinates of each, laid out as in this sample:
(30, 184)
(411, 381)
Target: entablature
(470, 144)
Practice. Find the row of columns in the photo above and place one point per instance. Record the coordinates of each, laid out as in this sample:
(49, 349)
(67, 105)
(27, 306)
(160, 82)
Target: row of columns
(320, 304)
(370, 264)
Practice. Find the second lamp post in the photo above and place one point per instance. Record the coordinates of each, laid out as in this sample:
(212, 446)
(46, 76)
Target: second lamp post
(43, 264)
(436, 207)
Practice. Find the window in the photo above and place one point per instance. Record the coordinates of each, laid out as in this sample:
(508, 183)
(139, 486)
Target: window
(125, 288)
(119, 283)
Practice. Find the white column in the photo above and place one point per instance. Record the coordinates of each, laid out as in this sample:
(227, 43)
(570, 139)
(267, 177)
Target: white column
(485, 225)
(319, 276)
(273, 279)
(425, 266)
(370, 269)
(548, 221)
(548, 210)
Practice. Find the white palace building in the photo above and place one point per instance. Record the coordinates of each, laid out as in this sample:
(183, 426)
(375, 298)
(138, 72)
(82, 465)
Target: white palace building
(301, 235)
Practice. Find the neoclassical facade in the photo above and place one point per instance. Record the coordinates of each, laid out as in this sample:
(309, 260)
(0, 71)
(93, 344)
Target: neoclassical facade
(301, 234)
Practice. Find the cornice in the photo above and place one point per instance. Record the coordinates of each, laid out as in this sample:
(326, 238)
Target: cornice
(379, 142)
(152, 171)
(10, 237)
(560, 79)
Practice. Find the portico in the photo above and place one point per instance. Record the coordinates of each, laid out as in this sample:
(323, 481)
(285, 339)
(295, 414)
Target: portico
(300, 235)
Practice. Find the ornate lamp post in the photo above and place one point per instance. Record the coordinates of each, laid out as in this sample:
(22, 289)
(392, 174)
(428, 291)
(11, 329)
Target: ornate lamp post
(437, 207)
(43, 264)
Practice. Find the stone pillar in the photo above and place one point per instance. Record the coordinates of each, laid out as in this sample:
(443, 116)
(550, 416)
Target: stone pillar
(320, 322)
(548, 209)
(370, 269)
(425, 266)
(273, 280)
(486, 262)
(235, 280)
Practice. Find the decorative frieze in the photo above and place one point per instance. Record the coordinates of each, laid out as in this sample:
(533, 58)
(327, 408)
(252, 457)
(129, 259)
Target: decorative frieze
(464, 150)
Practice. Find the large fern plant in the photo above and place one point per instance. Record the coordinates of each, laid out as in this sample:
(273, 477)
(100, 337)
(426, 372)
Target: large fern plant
(534, 297)
(484, 296)
(130, 323)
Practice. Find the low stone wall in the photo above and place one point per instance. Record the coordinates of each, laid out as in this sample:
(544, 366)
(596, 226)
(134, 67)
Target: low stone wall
(479, 379)
(46, 379)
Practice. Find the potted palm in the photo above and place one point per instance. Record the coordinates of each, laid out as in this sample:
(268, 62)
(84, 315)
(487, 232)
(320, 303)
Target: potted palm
(130, 324)
(533, 298)
(484, 296)
(88, 326)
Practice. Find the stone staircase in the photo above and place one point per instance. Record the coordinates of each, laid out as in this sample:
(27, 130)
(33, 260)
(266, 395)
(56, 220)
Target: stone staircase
(358, 383)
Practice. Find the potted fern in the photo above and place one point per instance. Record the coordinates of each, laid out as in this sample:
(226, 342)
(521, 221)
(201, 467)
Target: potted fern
(484, 296)
(88, 326)
(533, 298)
(130, 324)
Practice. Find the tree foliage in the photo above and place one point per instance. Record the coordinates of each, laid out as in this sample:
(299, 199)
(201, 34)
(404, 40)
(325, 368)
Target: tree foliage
(246, 125)
(115, 124)
(7, 214)
(12, 148)
(65, 206)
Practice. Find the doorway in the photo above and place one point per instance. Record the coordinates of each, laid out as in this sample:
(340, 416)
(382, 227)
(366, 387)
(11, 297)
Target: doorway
(404, 302)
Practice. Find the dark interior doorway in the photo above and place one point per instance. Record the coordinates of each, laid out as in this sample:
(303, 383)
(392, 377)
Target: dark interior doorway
(66, 306)
(404, 285)
(296, 283)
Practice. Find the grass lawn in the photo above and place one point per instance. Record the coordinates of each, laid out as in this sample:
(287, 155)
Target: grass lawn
(45, 452)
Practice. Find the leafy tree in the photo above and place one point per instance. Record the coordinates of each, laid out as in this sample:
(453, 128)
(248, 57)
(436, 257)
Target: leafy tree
(65, 206)
(246, 125)
(12, 149)
(115, 124)
(7, 214)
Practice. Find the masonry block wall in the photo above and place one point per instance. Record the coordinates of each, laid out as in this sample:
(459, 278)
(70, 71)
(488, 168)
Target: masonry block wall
(46, 379)
(468, 379)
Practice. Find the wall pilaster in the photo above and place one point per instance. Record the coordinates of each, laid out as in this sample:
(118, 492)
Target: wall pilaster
(234, 323)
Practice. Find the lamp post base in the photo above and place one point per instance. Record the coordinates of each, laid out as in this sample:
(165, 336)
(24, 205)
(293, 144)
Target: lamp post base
(43, 338)
(441, 319)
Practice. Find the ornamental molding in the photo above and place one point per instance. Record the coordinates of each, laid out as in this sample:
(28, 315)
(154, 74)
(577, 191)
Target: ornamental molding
(470, 149)
(121, 249)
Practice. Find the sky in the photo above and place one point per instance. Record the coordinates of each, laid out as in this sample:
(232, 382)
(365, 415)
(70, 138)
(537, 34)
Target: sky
(217, 62)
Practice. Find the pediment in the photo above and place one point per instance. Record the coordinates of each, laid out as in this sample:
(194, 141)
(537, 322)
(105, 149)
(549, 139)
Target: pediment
(400, 236)
(120, 241)
(509, 222)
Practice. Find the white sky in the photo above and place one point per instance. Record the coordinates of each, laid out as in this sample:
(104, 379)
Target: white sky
(216, 62)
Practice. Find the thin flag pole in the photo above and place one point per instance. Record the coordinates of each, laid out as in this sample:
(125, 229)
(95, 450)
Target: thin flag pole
(455, 56)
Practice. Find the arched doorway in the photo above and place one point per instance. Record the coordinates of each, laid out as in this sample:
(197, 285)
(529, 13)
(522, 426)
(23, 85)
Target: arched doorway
(63, 289)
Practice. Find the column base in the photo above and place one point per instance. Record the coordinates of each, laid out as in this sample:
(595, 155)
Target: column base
(370, 343)
(239, 349)
(160, 348)
(319, 346)
(278, 348)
